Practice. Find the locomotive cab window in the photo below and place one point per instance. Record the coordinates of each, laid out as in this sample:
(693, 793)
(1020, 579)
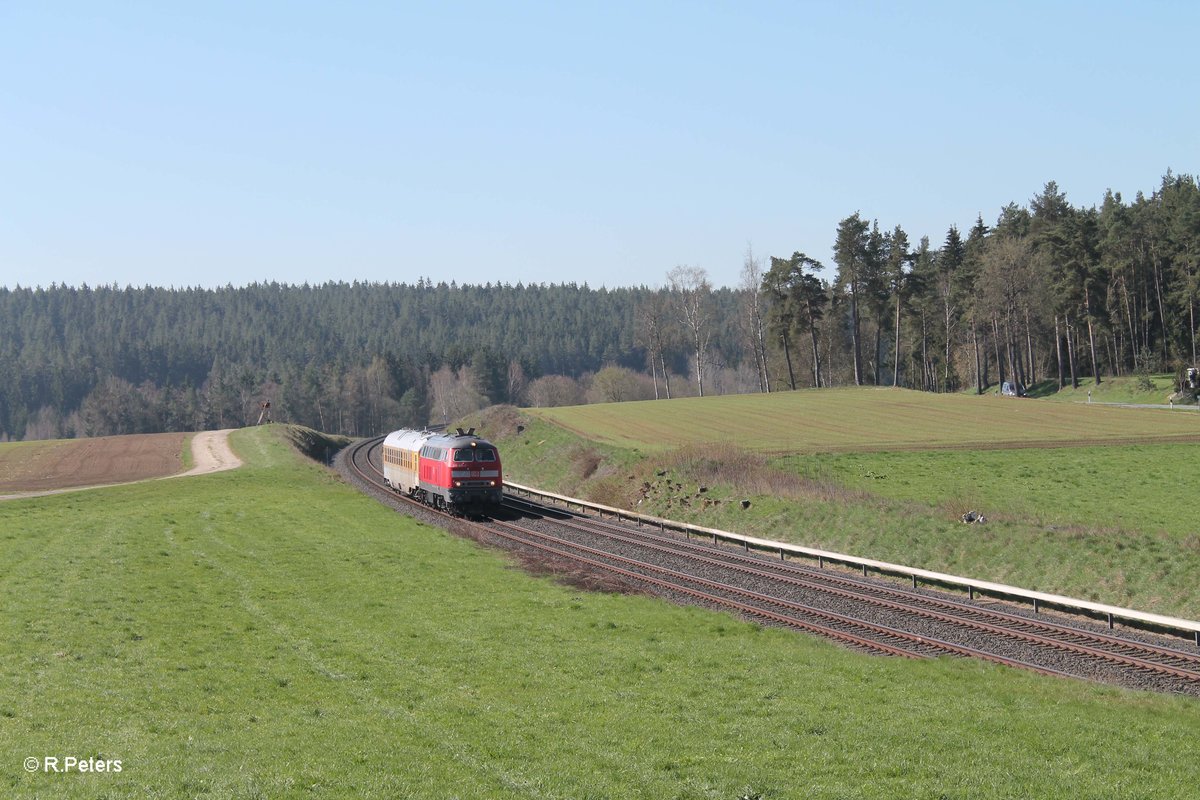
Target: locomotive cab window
(464, 454)
(485, 454)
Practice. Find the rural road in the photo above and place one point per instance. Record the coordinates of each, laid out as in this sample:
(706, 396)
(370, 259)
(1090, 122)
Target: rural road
(211, 453)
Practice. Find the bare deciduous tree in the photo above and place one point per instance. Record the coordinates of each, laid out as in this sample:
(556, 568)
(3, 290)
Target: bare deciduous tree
(754, 316)
(454, 394)
(554, 390)
(694, 306)
(613, 384)
(652, 332)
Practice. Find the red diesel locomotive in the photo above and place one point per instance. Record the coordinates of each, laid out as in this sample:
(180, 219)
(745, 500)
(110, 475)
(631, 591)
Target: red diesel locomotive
(457, 472)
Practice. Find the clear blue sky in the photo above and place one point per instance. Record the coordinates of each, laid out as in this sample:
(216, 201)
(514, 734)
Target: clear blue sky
(228, 142)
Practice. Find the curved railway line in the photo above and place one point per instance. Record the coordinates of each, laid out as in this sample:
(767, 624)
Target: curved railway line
(869, 615)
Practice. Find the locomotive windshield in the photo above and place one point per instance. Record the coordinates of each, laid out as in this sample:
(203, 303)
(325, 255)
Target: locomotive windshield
(465, 454)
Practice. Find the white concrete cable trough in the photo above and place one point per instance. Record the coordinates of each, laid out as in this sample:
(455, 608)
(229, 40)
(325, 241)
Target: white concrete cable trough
(1038, 599)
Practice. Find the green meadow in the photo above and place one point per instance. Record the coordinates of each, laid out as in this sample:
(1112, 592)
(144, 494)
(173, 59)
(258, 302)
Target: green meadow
(271, 633)
(1131, 487)
(1090, 501)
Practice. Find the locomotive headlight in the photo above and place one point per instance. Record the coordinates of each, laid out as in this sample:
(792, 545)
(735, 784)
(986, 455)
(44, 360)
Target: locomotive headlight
(457, 484)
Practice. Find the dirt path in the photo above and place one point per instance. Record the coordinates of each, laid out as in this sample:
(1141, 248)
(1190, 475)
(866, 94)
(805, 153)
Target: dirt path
(70, 466)
(211, 453)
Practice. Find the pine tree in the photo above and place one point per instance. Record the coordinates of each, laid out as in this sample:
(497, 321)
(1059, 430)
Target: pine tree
(852, 259)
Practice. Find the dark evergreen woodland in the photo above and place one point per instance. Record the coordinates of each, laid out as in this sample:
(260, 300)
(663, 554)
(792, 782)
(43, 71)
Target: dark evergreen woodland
(1049, 295)
(355, 358)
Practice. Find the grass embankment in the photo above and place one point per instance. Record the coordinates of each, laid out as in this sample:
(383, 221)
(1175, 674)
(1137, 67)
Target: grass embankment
(269, 632)
(316, 445)
(551, 457)
(1136, 390)
(1112, 523)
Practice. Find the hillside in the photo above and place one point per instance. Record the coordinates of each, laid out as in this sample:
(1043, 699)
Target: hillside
(1088, 501)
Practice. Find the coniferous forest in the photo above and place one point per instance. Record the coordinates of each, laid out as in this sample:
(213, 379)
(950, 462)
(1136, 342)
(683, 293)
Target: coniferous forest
(1047, 291)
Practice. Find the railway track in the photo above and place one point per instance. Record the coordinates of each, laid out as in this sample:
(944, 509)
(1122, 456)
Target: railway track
(864, 614)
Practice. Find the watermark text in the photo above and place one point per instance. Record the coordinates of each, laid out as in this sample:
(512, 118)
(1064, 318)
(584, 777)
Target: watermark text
(52, 764)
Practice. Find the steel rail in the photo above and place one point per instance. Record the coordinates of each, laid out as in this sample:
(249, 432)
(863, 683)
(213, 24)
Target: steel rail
(938, 646)
(1190, 628)
(1012, 626)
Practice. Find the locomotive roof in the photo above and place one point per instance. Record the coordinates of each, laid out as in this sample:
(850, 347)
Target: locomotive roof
(414, 439)
(457, 440)
(408, 439)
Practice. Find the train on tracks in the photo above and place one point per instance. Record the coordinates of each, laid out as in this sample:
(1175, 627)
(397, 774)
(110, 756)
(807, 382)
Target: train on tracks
(457, 472)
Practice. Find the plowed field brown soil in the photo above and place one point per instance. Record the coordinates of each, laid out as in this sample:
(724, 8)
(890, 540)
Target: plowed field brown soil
(62, 464)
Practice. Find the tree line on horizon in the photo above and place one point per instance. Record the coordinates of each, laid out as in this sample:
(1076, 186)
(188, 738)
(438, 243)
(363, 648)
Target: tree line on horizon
(1050, 292)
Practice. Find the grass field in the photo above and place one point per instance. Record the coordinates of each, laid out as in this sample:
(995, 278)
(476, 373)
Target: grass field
(1132, 487)
(840, 420)
(1113, 523)
(270, 633)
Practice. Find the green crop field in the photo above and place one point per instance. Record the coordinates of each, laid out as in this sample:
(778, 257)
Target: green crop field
(270, 633)
(839, 420)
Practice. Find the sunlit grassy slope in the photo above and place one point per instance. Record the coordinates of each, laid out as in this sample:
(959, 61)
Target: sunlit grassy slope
(887, 474)
(1138, 389)
(271, 633)
(834, 420)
